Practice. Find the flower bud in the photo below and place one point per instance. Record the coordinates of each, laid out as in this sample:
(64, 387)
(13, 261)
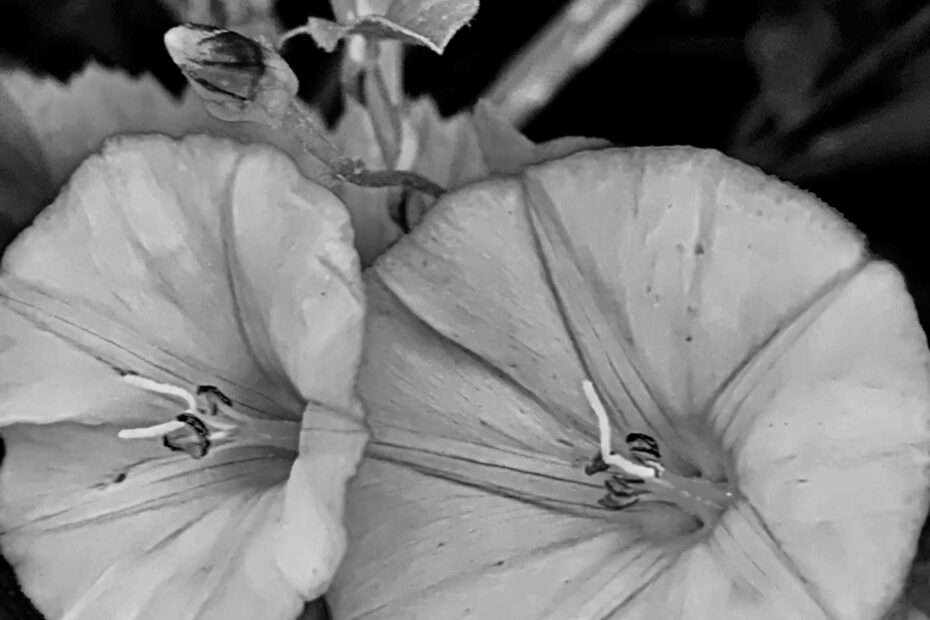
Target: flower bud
(238, 78)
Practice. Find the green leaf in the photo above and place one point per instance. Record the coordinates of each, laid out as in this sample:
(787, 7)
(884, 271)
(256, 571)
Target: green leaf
(430, 23)
(327, 34)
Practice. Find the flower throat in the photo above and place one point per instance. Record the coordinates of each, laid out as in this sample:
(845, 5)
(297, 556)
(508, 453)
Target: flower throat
(642, 477)
(208, 421)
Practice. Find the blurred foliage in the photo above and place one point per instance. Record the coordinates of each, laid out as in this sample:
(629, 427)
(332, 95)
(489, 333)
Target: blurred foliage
(841, 85)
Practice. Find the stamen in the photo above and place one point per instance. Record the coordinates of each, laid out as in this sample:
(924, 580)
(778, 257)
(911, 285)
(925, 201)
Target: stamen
(607, 454)
(176, 434)
(644, 444)
(149, 432)
(162, 388)
(210, 421)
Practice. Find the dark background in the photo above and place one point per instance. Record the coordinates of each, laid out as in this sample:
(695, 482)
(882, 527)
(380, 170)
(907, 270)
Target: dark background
(685, 72)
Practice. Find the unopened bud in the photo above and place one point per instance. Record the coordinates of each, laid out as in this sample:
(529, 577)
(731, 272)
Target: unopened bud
(238, 78)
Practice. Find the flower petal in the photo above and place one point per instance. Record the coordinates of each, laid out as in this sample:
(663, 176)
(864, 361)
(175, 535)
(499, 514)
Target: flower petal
(175, 280)
(300, 275)
(429, 385)
(437, 549)
(98, 527)
(696, 257)
(500, 308)
(832, 444)
(462, 450)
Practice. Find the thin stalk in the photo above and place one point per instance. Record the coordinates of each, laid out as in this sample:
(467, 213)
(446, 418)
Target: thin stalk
(315, 142)
(567, 44)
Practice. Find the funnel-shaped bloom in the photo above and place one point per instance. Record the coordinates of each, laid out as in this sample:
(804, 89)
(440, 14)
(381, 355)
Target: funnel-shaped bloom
(179, 336)
(636, 384)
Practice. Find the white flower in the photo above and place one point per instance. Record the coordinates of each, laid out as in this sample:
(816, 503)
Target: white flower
(130, 489)
(645, 383)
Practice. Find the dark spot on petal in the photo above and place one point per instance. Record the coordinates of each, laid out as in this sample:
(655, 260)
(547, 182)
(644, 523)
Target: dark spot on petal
(699, 249)
(688, 338)
(499, 563)
(6, 342)
(120, 477)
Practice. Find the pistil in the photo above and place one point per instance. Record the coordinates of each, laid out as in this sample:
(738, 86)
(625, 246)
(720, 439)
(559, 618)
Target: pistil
(607, 455)
(644, 478)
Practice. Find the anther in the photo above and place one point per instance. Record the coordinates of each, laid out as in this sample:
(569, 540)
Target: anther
(611, 502)
(209, 398)
(643, 444)
(596, 466)
(620, 487)
(196, 443)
